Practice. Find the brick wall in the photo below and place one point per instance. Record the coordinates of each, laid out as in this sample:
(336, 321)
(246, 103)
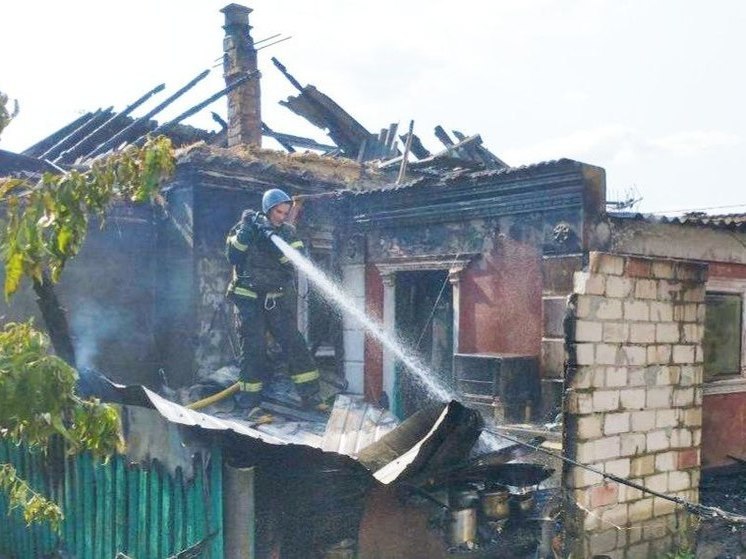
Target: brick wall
(633, 404)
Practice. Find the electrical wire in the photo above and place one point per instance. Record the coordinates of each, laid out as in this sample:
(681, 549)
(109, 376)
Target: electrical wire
(661, 212)
(437, 300)
(694, 508)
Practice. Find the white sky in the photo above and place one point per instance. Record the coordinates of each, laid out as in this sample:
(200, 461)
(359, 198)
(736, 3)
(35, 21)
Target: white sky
(653, 91)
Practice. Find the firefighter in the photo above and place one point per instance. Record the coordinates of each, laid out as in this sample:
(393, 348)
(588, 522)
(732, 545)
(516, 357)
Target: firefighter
(262, 288)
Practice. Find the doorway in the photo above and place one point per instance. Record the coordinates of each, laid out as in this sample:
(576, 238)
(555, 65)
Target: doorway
(424, 322)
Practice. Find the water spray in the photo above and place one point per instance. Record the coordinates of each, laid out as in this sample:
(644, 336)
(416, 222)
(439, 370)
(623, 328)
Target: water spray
(342, 301)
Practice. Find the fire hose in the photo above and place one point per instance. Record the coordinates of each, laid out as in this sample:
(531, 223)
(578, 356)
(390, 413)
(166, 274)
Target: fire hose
(204, 402)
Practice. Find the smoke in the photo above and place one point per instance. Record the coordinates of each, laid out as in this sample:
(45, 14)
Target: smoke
(95, 326)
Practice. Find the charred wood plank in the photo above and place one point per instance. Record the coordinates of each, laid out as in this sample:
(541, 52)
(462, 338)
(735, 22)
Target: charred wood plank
(199, 106)
(55, 319)
(416, 147)
(391, 162)
(405, 155)
(219, 119)
(98, 117)
(490, 160)
(86, 124)
(283, 69)
(267, 131)
(443, 136)
(391, 139)
(78, 149)
(297, 141)
(458, 149)
(120, 136)
(323, 112)
(470, 149)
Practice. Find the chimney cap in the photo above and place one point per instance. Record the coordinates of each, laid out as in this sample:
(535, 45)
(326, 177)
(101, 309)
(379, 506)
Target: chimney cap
(236, 13)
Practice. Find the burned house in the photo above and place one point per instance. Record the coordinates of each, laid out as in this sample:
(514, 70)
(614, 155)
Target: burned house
(511, 289)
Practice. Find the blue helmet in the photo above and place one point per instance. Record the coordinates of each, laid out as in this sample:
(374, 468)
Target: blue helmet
(274, 197)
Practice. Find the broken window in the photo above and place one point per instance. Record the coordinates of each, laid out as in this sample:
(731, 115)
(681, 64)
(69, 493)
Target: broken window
(722, 337)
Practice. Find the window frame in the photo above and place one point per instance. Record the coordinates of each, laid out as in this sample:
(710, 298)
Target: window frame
(731, 383)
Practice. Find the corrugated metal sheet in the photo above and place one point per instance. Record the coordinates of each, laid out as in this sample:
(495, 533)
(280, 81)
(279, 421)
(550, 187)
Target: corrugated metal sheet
(349, 411)
(733, 222)
(113, 507)
(354, 424)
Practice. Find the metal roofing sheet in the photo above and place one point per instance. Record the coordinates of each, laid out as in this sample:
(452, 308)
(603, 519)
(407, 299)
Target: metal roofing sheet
(734, 221)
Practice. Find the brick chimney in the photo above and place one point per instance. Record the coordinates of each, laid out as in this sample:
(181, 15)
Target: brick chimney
(239, 57)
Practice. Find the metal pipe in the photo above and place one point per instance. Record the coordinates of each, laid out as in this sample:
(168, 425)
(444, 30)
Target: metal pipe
(119, 136)
(272, 44)
(267, 39)
(127, 110)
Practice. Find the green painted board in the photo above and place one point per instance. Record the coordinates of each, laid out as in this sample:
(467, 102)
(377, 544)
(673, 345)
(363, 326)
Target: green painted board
(199, 505)
(120, 507)
(216, 503)
(154, 531)
(142, 517)
(68, 505)
(133, 510)
(179, 505)
(79, 507)
(167, 526)
(99, 514)
(89, 506)
(109, 505)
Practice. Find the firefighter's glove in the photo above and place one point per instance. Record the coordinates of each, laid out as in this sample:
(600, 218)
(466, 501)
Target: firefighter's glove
(247, 216)
(245, 230)
(263, 225)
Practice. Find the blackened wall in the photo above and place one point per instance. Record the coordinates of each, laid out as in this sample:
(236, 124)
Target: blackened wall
(109, 293)
(175, 286)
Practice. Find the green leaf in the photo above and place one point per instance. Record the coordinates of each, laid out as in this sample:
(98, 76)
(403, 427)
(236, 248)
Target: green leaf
(13, 273)
(64, 236)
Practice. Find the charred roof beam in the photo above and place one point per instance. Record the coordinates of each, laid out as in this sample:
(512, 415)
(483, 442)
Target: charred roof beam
(296, 141)
(70, 154)
(111, 143)
(321, 111)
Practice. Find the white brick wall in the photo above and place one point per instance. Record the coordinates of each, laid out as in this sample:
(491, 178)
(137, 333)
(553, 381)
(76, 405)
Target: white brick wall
(637, 396)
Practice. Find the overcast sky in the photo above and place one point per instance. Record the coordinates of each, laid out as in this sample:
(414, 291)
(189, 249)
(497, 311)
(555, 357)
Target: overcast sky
(652, 91)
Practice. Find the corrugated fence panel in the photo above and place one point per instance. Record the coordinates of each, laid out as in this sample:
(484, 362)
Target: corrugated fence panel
(144, 512)
(17, 539)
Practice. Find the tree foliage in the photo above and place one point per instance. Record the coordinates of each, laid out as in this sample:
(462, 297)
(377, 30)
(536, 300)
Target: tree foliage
(44, 224)
(37, 402)
(36, 507)
(6, 114)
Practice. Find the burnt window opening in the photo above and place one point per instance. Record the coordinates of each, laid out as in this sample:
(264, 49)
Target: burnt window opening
(723, 335)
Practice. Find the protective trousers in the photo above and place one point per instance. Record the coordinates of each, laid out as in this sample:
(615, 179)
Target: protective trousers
(273, 313)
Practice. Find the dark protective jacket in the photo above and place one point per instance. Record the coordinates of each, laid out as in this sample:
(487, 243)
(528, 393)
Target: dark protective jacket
(259, 267)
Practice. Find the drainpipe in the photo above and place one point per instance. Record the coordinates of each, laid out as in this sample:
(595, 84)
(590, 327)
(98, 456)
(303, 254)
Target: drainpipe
(239, 513)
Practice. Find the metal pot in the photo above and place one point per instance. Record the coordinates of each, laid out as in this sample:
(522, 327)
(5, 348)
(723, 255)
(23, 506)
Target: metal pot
(463, 496)
(495, 503)
(524, 502)
(462, 526)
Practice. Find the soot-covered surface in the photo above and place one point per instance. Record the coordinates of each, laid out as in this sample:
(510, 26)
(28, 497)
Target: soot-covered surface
(718, 539)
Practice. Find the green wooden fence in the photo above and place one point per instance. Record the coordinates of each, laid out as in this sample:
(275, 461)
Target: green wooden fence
(143, 512)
